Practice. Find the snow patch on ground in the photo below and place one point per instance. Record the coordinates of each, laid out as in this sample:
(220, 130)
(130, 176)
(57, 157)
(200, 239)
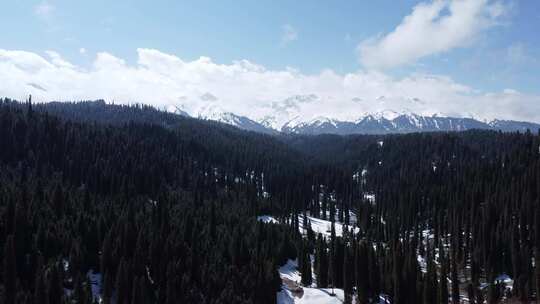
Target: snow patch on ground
(267, 219)
(323, 295)
(290, 271)
(310, 295)
(323, 226)
(317, 225)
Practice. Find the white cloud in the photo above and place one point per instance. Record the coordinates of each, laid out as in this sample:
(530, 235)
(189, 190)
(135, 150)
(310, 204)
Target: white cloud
(58, 61)
(243, 87)
(431, 28)
(82, 51)
(44, 10)
(289, 34)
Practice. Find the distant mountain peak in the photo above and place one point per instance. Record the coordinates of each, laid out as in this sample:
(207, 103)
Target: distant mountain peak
(287, 119)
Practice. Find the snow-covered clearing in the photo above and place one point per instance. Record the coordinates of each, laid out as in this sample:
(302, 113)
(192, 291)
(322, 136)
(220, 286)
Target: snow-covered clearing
(289, 272)
(311, 296)
(317, 225)
(323, 226)
(292, 292)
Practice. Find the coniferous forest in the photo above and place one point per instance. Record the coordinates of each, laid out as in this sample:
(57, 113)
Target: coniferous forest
(129, 204)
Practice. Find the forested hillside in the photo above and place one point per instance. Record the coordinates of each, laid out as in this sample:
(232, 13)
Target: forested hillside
(151, 214)
(134, 205)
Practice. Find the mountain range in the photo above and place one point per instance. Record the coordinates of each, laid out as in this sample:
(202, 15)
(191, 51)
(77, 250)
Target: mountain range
(387, 122)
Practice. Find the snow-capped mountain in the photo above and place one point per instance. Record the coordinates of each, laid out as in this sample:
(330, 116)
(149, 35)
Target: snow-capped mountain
(319, 125)
(385, 122)
(286, 112)
(216, 113)
(405, 123)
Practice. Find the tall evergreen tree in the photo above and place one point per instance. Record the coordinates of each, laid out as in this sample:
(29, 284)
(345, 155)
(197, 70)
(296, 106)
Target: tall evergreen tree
(10, 272)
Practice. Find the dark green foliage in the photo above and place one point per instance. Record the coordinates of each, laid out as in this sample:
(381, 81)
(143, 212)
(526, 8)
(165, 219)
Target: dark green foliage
(164, 208)
(10, 272)
(158, 215)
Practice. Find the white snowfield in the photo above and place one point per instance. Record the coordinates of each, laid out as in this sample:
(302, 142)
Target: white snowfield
(318, 225)
(323, 226)
(310, 295)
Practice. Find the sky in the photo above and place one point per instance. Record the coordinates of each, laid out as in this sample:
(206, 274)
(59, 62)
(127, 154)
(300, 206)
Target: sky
(279, 59)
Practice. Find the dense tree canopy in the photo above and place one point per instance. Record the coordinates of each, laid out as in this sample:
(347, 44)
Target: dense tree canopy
(141, 206)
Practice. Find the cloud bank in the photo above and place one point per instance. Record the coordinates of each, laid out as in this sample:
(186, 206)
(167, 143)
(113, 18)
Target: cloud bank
(431, 28)
(245, 88)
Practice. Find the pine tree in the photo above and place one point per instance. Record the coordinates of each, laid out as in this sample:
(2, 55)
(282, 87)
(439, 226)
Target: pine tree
(107, 287)
(39, 289)
(455, 281)
(322, 264)
(122, 290)
(55, 290)
(471, 293)
(332, 269)
(171, 285)
(307, 277)
(430, 283)
(347, 276)
(537, 270)
(10, 272)
(362, 275)
(443, 280)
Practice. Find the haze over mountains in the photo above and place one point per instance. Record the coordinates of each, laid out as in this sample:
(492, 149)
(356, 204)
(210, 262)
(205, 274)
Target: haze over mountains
(287, 117)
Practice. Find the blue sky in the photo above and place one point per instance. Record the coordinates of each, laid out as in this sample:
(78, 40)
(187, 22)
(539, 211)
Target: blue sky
(327, 33)
(496, 47)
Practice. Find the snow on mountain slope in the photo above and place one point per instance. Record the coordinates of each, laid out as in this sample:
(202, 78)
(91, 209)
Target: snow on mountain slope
(216, 113)
(380, 123)
(287, 116)
(387, 114)
(317, 125)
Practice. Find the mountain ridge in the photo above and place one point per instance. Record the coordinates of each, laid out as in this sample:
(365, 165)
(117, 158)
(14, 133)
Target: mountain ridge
(385, 122)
